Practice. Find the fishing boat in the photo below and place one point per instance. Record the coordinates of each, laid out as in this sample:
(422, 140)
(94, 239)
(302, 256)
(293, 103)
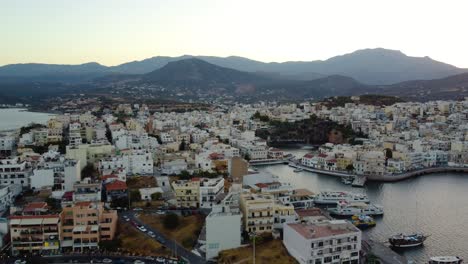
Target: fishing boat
(405, 241)
(298, 170)
(347, 180)
(335, 197)
(363, 221)
(346, 209)
(445, 260)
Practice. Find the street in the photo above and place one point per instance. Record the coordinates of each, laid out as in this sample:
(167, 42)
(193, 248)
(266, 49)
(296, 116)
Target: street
(167, 242)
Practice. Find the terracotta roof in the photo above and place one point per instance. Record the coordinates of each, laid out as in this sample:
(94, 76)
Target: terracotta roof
(309, 212)
(110, 176)
(34, 206)
(322, 155)
(116, 185)
(261, 185)
(308, 156)
(32, 216)
(312, 231)
(85, 203)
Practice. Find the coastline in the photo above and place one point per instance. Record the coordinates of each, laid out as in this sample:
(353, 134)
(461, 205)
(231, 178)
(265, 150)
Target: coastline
(386, 178)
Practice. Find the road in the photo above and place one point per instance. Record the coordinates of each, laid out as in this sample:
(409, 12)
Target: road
(170, 244)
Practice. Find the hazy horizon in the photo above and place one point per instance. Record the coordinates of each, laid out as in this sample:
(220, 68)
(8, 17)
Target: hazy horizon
(119, 31)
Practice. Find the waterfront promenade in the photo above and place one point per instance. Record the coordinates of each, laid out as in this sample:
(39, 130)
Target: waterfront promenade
(386, 178)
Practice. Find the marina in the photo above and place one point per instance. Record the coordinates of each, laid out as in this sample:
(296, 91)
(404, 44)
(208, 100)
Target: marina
(439, 212)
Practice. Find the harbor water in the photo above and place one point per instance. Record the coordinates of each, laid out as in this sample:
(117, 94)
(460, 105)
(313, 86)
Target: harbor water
(434, 204)
(14, 118)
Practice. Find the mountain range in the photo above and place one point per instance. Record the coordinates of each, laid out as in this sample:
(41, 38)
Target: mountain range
(369, 66)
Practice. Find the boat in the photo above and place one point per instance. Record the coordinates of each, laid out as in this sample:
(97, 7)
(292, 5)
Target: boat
(405, 241)
(445, 260)
(363, 221)
(325, 198)
(298, 170)
(347, 180)
(346, 209)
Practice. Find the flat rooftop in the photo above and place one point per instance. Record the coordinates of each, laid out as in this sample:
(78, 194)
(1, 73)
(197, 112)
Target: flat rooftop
(333, 228)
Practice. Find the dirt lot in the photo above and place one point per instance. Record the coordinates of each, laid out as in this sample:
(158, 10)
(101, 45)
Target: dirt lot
(138, 243)
(185, 234)
(138, 182)
(271, 252)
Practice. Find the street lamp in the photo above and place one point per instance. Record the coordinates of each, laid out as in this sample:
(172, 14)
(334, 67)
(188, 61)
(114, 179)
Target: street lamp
(253, 234)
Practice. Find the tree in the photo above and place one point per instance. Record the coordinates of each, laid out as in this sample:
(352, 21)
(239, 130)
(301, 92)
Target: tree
(247, 157)
(89, 171)
(110, 245)
(171, 221)
(135, 196)
(183, 145)
(350, 167)
(156, 196)
(185, 175)
(388, 153)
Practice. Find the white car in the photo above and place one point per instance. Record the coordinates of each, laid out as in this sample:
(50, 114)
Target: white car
(106, 260)
(138, 262)
(142, 228)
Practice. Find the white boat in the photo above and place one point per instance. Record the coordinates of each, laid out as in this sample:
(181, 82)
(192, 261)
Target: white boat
(298, 170)
(445, 260)
(335, 197)
(346, 209)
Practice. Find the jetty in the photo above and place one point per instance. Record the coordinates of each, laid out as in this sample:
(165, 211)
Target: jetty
(359, 181)
(383, 253)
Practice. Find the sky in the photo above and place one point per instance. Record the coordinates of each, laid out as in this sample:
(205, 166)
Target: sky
(112, 32)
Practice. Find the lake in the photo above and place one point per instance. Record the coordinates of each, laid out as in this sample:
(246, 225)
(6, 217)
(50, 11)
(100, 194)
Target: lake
(435, 204)
(13, 118)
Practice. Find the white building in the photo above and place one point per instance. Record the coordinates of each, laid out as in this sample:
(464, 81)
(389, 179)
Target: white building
(8, 194)
(7, 143)
(336, 241)
(14, 171)
(59, 173)
(211, 192)
(223, 230)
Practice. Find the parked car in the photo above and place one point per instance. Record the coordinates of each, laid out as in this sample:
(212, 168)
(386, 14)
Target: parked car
(159, 212)
(160, 260)
(137, 209)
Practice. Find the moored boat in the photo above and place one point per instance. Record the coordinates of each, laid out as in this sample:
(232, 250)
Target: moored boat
(445, 260)
(345, 209)
(363, 221)
(336, 197)
(405, 241)
(298, 170)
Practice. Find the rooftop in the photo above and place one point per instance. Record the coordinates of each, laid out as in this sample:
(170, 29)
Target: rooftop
(333, 228)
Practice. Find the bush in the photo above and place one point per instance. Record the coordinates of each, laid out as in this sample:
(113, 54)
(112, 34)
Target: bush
(156, 196)
(188, 242)
(171, 221)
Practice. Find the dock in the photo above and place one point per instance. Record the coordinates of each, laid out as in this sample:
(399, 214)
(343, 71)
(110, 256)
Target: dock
(380, 251)
(359, 181)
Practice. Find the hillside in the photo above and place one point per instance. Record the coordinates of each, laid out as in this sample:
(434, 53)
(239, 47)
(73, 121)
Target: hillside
(369, 66)
(196, 71)
(452, 87)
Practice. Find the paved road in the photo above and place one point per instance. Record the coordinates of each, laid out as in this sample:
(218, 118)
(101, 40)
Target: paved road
(80, 259)
(170, 244)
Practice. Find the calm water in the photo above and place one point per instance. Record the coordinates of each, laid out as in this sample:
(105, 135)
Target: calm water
(434, 204)
(13, 118)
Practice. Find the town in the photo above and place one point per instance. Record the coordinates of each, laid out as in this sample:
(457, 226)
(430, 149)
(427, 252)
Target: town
(124, 182)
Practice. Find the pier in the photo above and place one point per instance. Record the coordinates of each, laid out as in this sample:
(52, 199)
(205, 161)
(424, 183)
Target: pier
(360, 180)
(380, 251)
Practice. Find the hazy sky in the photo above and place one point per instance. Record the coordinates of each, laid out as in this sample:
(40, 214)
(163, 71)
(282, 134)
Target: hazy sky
(116, 31)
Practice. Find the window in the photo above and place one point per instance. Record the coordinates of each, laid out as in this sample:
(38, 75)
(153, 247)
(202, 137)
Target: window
(327, 259)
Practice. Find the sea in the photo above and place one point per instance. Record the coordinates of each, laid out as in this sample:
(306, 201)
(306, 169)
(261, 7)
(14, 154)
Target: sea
(434, 204)
(14, 118)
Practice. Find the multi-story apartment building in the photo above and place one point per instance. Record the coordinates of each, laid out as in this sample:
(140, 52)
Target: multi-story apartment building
(335, 241)
(187, 192)
(84, 192)
(257, 211)
(8, 194)
(211, 191)
(7, 144)
(15, 171)
(84, 224)
(35, 231)
(57, 172)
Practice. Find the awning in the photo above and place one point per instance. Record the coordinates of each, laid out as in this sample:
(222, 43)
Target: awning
(95, 228)
(79, 229)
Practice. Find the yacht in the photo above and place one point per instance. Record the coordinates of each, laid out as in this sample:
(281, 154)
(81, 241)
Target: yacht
(336, 197)
(405, 241)
(346, 209)
(445, 260)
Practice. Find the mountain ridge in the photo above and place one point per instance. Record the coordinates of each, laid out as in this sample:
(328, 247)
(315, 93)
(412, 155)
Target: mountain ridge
(370, 66)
